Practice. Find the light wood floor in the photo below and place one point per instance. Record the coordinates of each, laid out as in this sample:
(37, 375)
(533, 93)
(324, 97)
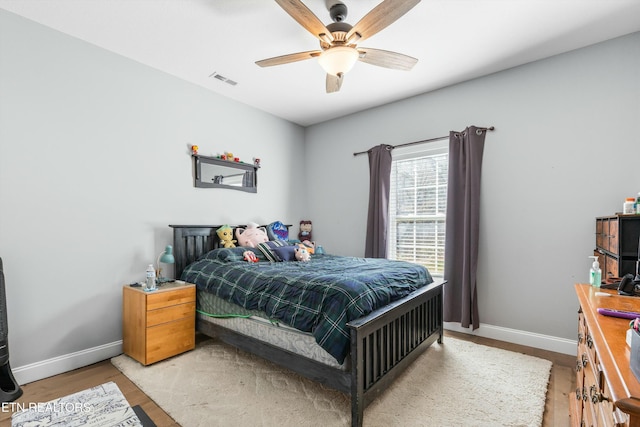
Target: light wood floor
(556, 414)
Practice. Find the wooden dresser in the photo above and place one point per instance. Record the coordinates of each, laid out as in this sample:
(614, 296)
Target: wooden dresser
(158, 324)
(607, 393)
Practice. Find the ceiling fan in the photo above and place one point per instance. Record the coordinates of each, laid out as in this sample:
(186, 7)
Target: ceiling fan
(338, 40)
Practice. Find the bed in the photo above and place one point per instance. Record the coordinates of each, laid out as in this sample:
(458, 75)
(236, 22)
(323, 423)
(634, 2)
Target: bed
(379, 345)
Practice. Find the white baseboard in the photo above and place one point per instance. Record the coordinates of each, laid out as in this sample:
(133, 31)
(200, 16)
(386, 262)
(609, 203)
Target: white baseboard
(65, 363)
(545, 342)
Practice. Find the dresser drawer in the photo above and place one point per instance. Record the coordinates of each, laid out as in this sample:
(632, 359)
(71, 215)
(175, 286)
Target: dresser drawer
(590, 408)
(174, 297)
(613, 236)
(610, 416)
(600, 234)
(611, 267)
(169, 314)
(169, 339)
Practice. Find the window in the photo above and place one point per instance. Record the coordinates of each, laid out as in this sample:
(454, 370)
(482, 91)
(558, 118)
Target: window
(417, 206)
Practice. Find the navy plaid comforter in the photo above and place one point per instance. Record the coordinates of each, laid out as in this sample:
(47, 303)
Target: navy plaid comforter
(320, 296)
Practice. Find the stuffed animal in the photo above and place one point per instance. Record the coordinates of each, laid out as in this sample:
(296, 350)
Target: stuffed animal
(302, 254)
(252, 235)
(309, 246)
(249, 256)
(225, 233)
(305, 231)
(277, 231)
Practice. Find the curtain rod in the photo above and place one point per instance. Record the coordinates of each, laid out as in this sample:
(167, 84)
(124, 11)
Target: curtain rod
(440, 138)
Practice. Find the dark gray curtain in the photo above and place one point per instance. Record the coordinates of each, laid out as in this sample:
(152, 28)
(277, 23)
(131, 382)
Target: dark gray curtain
(378, 217)
(462, 226)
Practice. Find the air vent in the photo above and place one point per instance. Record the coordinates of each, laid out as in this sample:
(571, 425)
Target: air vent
(222, 78)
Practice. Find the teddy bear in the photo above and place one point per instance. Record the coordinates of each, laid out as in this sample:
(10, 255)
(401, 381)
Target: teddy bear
(252, 235)
(302, 254)
(305, 231)
(225, 233)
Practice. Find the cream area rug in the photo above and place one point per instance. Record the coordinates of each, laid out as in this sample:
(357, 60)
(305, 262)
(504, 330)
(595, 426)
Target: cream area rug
(456, 383)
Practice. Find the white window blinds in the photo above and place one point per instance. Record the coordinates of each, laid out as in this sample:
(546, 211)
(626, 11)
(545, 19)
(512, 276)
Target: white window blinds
(417, 207)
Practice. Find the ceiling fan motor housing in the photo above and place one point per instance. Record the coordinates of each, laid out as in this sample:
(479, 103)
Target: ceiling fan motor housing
(339, 32)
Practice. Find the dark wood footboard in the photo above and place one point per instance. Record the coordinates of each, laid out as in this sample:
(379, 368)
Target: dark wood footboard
(388, 340)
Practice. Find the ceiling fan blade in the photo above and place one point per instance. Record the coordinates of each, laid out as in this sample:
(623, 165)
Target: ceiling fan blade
(306, 18)
(285, 59)
(380, 17)
(387, 59)
(334, 82)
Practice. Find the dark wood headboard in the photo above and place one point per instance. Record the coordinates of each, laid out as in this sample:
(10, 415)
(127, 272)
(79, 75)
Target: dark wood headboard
(192, 241)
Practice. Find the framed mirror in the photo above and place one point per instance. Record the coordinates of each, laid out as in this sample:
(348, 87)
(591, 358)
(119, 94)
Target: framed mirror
(211, 172)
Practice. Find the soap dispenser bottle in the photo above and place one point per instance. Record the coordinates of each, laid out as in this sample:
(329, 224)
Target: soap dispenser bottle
(595, 274)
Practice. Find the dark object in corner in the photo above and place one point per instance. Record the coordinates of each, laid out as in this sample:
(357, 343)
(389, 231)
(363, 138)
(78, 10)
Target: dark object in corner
(144, 418)
(9, 388)
(628, 285)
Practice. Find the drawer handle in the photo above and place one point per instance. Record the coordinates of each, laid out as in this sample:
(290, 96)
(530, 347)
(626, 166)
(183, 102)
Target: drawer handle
(578, 394)
(578, 366)
(596, 395)
(589, 341)
(584, 360)
(593, 393)
(580, 338)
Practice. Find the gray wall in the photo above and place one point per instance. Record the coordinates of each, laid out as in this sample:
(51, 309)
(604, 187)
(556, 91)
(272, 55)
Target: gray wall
(564, 151)
(94, 165)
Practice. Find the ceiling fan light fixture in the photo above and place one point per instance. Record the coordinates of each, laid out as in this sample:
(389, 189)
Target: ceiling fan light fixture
(338, 59)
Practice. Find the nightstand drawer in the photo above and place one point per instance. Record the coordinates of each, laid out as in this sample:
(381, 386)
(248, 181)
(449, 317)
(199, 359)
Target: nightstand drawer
(169, 339)
(169, 314)
(166, 299)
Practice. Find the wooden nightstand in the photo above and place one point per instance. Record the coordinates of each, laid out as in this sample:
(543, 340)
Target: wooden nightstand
(158, 324)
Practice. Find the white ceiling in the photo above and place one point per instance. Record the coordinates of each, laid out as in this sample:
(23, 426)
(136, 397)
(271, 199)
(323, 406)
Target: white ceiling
(454, 40)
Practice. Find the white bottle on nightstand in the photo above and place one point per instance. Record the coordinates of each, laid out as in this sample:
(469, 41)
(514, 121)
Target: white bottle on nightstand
(150, 284)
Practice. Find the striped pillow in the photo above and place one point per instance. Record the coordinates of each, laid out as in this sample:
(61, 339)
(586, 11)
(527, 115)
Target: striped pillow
(266, 249)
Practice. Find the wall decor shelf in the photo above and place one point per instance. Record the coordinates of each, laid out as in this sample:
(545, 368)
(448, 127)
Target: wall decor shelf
(212, 172)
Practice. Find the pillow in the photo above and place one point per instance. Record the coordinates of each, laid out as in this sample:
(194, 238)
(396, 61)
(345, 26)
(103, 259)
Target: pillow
(231, 254)
(267, 250)
(277, 231)
(286, 253)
